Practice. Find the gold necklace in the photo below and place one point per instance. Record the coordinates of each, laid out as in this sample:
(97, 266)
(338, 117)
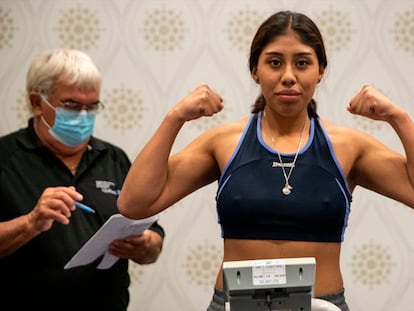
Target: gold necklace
(287, 188)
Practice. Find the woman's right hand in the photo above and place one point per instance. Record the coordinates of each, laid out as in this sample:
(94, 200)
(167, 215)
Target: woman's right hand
(200, 102)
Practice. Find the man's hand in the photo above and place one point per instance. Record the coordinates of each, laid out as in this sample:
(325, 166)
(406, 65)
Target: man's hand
(142, 249)
(55, 204)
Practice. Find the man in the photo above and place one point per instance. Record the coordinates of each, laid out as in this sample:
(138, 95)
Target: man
(45, 170)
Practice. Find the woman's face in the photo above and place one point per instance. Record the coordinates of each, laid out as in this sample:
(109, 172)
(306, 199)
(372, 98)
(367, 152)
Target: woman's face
(288, 72)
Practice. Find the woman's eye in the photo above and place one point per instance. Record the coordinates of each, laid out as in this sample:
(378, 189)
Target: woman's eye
(275, 63)
(302, 63)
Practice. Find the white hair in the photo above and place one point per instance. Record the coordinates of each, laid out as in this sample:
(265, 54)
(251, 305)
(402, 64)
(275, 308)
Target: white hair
(66, 66)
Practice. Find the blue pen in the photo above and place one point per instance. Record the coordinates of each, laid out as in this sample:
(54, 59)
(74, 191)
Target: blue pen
(84, 207)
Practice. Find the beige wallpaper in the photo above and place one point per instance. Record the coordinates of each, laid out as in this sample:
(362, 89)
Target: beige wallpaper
(153, 52)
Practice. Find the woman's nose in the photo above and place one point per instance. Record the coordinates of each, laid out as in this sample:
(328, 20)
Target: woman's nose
(288, 76)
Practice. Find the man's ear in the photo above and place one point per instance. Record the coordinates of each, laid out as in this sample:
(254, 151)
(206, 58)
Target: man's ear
(35, 103)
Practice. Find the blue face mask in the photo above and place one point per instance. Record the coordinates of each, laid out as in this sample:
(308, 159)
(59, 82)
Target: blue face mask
(71, 127)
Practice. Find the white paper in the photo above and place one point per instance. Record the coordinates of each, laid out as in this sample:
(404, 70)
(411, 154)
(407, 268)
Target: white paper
(116, 227)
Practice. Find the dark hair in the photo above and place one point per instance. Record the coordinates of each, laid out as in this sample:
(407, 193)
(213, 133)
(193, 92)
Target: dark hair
(279, 24)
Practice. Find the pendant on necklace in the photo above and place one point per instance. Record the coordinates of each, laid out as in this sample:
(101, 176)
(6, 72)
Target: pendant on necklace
(287, 189)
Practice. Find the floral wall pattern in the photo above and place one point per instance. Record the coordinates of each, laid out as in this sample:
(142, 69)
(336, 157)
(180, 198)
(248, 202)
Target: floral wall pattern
(153, 52)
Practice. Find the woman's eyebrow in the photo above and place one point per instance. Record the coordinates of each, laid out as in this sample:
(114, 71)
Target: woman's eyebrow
(282, 54)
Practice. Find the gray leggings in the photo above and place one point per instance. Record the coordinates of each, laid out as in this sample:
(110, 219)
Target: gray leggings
(219, 300)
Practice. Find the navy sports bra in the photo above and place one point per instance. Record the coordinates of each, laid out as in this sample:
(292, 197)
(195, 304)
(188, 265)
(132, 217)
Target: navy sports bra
(250, 202)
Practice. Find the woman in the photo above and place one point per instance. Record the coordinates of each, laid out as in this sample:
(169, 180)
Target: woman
(285, 176)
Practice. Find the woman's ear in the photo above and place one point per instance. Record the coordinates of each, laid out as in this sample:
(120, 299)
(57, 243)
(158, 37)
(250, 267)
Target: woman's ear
(254, 76)
(321, 72)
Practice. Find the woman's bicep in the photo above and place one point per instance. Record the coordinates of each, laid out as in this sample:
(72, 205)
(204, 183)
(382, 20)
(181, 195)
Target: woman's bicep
(384, 171)
(188, 170)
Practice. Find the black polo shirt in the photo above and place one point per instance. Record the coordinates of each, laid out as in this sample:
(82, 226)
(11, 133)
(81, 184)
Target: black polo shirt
(33, 278)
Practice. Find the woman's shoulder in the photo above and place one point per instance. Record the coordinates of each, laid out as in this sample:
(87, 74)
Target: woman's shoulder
(222, 138)
(347, 137)
(341, 130)
(230, 128)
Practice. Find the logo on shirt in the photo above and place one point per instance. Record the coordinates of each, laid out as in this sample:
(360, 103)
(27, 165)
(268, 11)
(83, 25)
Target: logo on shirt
(106, 187)
(278, 164)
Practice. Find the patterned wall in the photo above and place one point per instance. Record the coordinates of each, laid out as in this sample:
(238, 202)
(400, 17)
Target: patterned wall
(153, 52)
